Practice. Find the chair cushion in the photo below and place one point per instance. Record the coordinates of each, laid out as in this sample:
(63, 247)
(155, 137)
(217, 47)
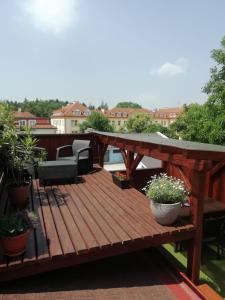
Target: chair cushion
(67, 158)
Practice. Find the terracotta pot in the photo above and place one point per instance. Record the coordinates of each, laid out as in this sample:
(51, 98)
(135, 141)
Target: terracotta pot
(15, 245)
(19, 196)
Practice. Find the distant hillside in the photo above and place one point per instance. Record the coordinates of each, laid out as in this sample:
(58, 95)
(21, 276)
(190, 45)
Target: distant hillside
(38, 107)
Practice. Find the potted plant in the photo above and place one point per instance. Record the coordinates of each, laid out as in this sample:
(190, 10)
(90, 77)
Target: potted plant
(14, 232)
(166, 193)
(121, 180)
(17, 156)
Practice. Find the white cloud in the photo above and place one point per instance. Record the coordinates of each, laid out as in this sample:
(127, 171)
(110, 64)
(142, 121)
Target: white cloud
(52, 15)
(179, 67)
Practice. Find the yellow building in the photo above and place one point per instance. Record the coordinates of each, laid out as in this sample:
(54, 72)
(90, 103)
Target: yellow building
(166, 116)
(68, 118)
(118, 116)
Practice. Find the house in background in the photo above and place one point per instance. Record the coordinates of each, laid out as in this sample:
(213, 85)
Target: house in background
(118, 116)
(38, 125)
(166, 116)
(68, 118)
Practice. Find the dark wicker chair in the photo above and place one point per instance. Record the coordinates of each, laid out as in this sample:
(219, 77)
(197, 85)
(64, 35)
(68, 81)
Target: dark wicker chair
(80, 151)
(213, 233)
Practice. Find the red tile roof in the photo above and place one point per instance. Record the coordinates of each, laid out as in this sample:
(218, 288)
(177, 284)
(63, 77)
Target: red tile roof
(23, 115)
(67, 111)
(129, 111)
(44, 126)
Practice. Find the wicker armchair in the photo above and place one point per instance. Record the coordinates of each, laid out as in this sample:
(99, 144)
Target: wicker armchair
(80, 151)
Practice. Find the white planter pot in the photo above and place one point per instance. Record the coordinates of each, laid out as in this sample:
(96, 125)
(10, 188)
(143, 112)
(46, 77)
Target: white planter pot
(165, 214)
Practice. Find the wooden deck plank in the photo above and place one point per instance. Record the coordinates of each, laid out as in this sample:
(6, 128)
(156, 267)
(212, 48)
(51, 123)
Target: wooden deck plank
(112, 220)
(40, 233)
(145, 219)
(84, 230)
(94, 227)
(145, 212)
(3, 204)
(63, 235)
(51, 233)
(99, 217)
(74, 233)
(88, 221)
(122, 218)
(30, 253)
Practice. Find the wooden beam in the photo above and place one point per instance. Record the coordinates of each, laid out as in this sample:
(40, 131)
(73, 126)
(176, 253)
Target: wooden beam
(216, 168)
(101, 151)
(195, 244)
(124, 154)
(136, 162)
(130, 159)
(155, 151)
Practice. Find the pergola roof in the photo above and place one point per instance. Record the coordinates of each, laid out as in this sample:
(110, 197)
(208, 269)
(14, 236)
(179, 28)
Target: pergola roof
(193, 150)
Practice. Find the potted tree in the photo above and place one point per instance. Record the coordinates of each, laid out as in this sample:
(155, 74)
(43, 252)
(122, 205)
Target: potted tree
(17, 156)
(121, 180)
(14, 232)
(166, 193)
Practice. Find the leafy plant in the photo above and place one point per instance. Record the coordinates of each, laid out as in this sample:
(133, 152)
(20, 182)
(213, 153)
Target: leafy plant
(17, 151)
(13, 225)
(166, 189)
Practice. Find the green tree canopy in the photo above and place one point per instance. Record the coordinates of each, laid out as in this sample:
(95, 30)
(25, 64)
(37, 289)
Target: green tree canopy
(206, 123)
(96, 121)
(128, 104)
(215, 87)
(196, 123)
(38, 107)
(139, 122)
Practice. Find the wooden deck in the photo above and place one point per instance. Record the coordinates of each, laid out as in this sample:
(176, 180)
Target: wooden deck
(84, 222)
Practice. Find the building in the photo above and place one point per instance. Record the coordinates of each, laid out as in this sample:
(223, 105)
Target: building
(38, 125)
(68, 118)
(166, 116)
(118, 116)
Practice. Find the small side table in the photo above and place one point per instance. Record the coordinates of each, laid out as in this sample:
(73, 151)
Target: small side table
(57, 171)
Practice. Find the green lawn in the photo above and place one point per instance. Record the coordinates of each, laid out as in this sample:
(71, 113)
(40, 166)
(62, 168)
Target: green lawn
(212, 269)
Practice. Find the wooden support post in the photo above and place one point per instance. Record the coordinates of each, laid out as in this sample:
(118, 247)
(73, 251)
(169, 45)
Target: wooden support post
(195, 244)
(101, 152)
(130, 159)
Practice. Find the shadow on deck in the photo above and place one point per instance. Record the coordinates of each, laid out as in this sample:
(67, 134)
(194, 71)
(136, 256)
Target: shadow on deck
(87, 221)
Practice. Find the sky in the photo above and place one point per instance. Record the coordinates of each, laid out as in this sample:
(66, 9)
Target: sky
(156, 53)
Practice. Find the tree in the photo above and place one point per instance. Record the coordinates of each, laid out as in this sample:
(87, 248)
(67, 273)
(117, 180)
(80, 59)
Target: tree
(38, 107)
(139, 122)
(103, 105)
(197, 124)
(206, 123)
(96, 121)
(215, 87)
(126, 104)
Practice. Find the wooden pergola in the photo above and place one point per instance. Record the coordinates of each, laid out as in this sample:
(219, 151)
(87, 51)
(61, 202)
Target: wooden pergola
(189, 161)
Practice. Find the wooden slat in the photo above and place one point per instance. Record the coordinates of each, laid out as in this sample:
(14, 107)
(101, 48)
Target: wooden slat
(88, 199)
(30, 254)
(74, 233)
(209, 293)
(112, 219)
(94, 227)
(64, 238)
(143, 215)
(85, 231)
(133, 227)
(40, 233)
(51, 233)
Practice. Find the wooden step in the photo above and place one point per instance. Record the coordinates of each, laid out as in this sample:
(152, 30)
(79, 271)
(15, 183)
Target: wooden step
(209, 293)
